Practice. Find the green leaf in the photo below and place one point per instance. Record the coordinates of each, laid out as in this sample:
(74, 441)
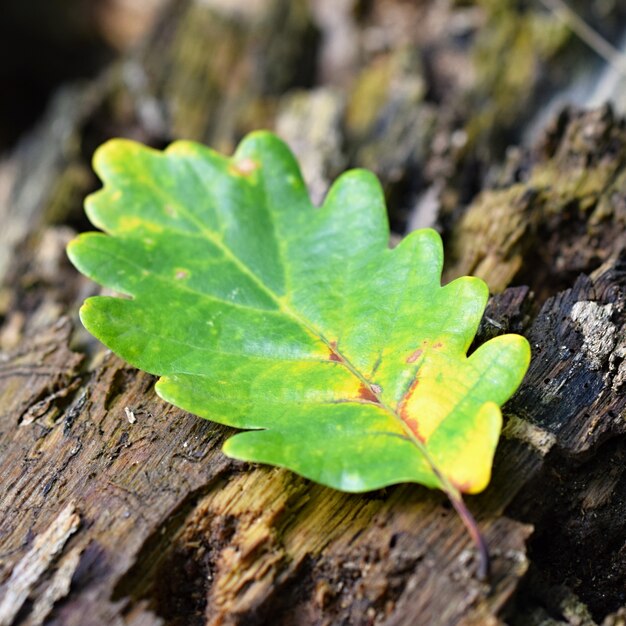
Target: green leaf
(343, 360)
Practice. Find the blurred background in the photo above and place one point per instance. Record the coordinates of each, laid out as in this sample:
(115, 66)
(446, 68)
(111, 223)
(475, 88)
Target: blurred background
(46, 44)
(427, 93)
(498, 122)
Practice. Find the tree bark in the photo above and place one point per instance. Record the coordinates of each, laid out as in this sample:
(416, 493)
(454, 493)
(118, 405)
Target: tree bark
(118, 508)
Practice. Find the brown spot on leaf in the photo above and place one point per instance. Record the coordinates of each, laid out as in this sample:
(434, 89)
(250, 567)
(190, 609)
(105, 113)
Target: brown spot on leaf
(366, 393)
(334, 356)
(403, 411)
(416, 355)
(463, 487)
(181, 274)
(438, 345)
(412, 424)
(245, 167)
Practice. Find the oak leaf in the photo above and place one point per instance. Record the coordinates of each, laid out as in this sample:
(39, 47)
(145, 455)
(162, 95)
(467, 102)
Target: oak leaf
(341, 359)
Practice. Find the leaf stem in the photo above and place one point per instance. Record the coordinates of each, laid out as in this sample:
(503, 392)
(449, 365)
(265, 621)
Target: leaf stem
(469, 521)
(484, 563)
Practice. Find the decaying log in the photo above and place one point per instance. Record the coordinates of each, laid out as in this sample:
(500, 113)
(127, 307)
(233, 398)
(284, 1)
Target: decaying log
(117, 508)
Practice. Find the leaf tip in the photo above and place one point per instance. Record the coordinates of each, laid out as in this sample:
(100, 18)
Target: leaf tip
(259, 139)
(76, 250)
(474, 466)
(85, 314)
(113, 150)
(73, 250)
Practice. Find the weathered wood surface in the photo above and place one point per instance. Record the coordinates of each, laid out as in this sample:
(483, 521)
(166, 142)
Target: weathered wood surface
(119, 509)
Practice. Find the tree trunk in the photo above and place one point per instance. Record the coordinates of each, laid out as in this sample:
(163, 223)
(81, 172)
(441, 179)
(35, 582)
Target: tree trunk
(118, 508)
